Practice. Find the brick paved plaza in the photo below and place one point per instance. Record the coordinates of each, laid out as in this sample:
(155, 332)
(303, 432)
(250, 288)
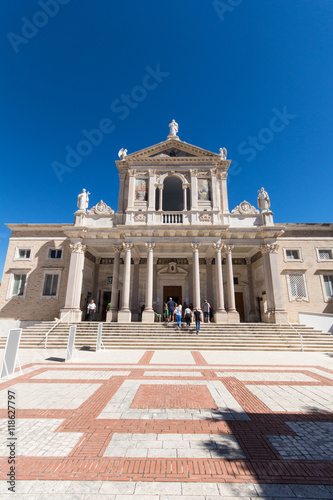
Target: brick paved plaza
(158, 425)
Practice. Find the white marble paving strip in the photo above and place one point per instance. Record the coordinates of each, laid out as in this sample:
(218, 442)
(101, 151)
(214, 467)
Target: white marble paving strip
(174, 446)
(155, 490)
(172, 357)
(267, 376)
(49, 395)
(295, 398)
(172, 374)
(314, 441)
(227, 406)
(36, 438)
(81, 374)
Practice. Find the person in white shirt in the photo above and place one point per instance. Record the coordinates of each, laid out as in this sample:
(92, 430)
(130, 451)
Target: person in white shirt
(178, 312)
(91, 309)
(188, 316)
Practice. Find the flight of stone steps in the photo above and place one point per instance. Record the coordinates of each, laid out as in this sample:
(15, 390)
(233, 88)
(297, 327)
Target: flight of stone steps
(241, 336)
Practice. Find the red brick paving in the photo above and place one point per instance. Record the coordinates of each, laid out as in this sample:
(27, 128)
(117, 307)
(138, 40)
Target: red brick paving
(173, 396)
(86, 461)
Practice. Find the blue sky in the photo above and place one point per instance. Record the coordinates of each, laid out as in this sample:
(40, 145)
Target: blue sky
(224, 70)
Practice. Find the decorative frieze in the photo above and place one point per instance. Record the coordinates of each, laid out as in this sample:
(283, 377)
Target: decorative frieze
(205, 218)
(140, 218)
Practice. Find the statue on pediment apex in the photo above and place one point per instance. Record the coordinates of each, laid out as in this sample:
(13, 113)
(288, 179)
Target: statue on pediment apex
(173, 129)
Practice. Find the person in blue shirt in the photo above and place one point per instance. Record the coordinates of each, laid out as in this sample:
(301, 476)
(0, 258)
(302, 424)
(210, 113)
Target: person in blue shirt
(171, 306)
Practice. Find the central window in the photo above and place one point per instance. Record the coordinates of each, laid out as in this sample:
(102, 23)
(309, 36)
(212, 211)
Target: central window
(173, 195)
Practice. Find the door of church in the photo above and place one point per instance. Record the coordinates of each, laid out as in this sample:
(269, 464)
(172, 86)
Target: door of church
(172, 291)
(240, 305)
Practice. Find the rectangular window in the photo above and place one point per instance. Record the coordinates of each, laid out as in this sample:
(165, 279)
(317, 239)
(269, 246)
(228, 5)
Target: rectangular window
(292, 255)
(328, 285)
(50, 285)
(18, 284)
(297, 286)
(55, 253)
(23, 253)
(325, 254)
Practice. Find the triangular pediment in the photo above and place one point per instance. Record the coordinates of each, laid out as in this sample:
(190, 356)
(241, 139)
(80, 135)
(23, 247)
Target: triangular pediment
(172, 148)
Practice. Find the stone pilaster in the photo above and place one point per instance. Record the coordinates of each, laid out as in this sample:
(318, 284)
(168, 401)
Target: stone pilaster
(273, 283)
(72, 309)
(160, 197)
(252, 312)
(148, 314)
(124, 315)
(220, 315)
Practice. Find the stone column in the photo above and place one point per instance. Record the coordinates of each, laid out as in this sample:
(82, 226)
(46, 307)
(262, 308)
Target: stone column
(148, 313)
(160, 198)
(74, 284)
(185, 196)
(233, 315)
(220, 315)
(196, 276)
(252, 311)
(112, 315)
(124, 315)
(273, 283)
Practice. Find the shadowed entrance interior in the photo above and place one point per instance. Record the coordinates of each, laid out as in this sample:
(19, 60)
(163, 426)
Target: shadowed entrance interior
(173, 291)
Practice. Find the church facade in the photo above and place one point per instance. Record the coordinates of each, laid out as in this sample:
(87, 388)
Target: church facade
(173, 235)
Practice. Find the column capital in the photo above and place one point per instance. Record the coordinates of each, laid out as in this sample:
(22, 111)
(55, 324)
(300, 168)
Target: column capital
(127, 246)
(218, 246)
(117, 248)
(150, 246)
(186, 185)
(77, 247)
(195, 246)
(269, 248)
(227, 248)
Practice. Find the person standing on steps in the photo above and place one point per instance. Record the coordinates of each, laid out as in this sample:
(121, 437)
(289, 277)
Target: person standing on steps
(91, 310)
(198, 318)
(179, 315)
(171, 306)
(206, 311)
(188, 316)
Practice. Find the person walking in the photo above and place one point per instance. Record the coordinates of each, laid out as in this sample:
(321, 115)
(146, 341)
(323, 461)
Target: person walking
(91, 310)
(171, 306)
(206, 311)
(188, 316)
(178, 313)
(197, 317)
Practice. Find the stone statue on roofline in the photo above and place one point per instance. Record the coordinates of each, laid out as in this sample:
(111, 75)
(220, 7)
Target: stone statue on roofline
(83, 200)
(173, 129)
(263, 201)
(223, 153)
(122, 153)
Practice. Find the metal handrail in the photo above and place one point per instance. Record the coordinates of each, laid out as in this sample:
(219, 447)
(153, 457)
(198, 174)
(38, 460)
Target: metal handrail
(53, 327)
(292, 326)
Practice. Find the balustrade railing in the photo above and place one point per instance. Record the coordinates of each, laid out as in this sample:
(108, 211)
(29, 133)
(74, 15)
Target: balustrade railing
(172, 218)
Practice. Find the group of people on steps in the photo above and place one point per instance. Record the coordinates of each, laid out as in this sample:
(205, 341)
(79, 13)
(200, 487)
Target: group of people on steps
(173, 311)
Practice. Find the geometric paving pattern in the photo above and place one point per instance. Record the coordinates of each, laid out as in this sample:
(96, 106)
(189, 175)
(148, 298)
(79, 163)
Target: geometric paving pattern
(197, 430)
